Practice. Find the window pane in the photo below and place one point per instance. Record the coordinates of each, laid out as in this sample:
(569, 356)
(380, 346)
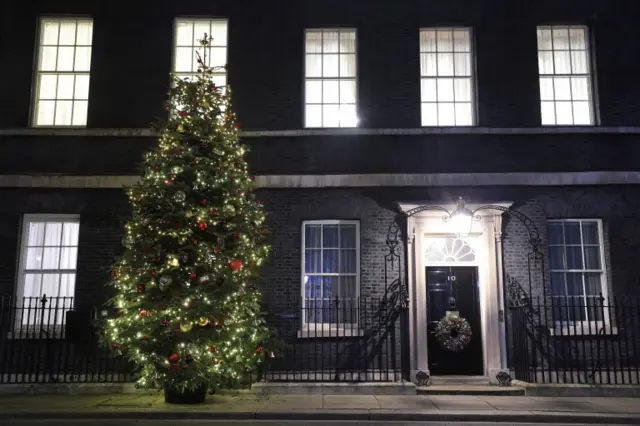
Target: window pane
(572, 233)
(555, 233)
(461, 41)
(313, 116)
(330, 237)
(32, 285)
(428, 89)
(574, 257)
(464, 114)
(348, 91)
(184, 33)
(36, 234)
(429, 114)
(82, 59)
(581, 113)
(330, 41)
(312, 261)
(590, 233)
(84, 33)
(49, 32)
(445, 90)
(34, 258)
(313, 93)
(428, 65)
(68, 258)
(48, 58)
(592, 257)
(330, 259)
(50, 285)
(347, 65)
(446, 114)
(427, 41)
(313, 287)
(444, 41)
(348, 261)
(65, 59)
(564, 113)
(53, 234)
(47, 86)
(462, 64)
(79, 113)
(331, 92)
(183, 59)
(574, 284)
(331, 115)
(347, 42)
(65, 86)
(558, 287)
(556, 257)
(562, 88)
(330, 290)
(445, 64)
(348, 236)
(330, 65)
(81, 89)
(218, 33)
(313, 66)
(313, 236)
(462, 90)
(51, 258)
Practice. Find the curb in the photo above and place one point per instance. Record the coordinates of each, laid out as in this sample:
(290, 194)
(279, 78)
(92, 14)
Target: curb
(341, 415)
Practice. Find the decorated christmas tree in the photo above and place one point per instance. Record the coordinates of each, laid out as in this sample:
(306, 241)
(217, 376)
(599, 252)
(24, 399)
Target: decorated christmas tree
(187, 309)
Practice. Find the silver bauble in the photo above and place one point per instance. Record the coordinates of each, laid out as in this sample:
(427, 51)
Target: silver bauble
(179, 197)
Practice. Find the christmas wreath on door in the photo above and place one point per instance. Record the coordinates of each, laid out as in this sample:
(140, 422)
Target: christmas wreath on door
(453, 333)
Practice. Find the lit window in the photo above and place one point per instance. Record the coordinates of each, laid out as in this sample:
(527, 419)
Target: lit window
(565, 76)
(62, 78)
(446, 77)
(578, 273)
(189, 33)
(330, 273)
(47, 268)
(330, 78)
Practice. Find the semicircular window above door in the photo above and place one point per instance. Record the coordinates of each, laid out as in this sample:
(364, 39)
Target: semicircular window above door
(449, 250)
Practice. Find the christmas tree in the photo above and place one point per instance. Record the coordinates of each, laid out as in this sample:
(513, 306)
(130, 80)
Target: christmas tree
(188, 312)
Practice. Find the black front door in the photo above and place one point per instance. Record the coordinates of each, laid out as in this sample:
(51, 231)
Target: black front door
(454, 289)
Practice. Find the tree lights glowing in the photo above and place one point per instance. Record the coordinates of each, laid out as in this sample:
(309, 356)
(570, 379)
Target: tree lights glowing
(188, 313)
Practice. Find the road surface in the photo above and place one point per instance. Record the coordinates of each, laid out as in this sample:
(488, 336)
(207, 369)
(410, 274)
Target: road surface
(254, 422)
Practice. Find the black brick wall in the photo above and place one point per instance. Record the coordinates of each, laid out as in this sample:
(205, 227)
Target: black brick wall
(133, 46)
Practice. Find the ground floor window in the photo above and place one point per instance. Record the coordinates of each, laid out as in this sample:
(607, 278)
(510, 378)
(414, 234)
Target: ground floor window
(578, 271)
(48, 259)
(330, 273)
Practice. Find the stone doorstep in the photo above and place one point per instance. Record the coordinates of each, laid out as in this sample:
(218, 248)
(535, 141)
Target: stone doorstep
(471, 389)
(328, 388)
(577, 390)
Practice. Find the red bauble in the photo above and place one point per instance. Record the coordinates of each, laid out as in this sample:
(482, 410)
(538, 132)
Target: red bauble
(153, 272)
(192, 276)
(212, 212)
(169, 181)
(193, 164)
(259, 349)
(174, 358)
(237, 125)
(143, 313)
(212, 349)
(236, 264)
(177, 226)
(140, 288)
(262, 229)
(145, 337)
(204, 202)
(202, 226)
(185, 366)
(216, 250)
(182, 113)
(237, 236)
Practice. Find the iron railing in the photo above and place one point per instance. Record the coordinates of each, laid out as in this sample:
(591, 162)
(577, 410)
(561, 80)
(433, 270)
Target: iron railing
(337, 339)
(579, 340)
(46, 340)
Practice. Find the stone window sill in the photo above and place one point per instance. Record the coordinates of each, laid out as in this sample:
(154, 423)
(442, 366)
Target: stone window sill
(594, 330)
(329, 333)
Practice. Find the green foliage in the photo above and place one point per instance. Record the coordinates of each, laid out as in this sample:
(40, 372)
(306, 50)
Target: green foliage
(188, 311)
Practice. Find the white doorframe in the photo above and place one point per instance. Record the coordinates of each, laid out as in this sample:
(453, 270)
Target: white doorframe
(486, 233)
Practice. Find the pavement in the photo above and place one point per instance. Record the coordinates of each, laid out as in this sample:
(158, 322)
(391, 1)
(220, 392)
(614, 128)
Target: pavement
(246, 405)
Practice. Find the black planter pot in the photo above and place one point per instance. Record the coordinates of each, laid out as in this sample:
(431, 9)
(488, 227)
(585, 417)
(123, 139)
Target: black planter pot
(196, 396)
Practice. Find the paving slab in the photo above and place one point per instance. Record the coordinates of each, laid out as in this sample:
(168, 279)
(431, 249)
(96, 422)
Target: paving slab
(446, 402)
(294, 402)
(145, 400)
(515, 403)
(388, 402)
(346, 402)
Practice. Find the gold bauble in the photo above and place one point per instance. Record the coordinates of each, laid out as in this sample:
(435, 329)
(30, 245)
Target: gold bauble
(186, 327)
(203, 321)
(180, 128)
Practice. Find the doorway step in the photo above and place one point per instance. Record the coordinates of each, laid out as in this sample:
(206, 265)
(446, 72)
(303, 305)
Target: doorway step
(467, 385)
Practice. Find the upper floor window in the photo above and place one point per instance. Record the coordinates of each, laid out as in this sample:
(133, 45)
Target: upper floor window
(48, 259)
(189, 33)
(330, 78)
(565, 75)
(330, 274)
(578, 272)
(62, 76)
(446, 77)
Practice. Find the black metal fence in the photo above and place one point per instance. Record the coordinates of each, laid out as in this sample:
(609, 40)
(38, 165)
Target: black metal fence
(347, 340)
(46, 340)
(583, 340)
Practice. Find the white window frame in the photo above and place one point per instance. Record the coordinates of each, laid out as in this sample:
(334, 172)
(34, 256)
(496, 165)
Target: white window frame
(312, 330)
(323, 78)
(38, 73)
(216, 71)
(33, 331)
(588, 326)
(471, 77)
(589, 75)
